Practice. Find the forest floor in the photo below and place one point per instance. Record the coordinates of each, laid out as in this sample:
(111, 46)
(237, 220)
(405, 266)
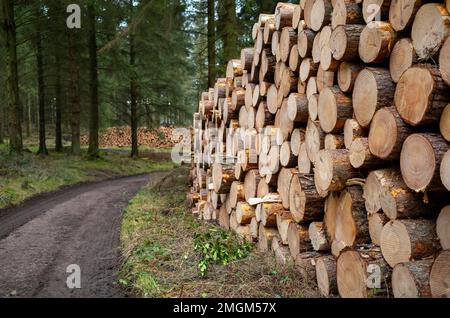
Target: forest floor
(163, 253)
(22, 177)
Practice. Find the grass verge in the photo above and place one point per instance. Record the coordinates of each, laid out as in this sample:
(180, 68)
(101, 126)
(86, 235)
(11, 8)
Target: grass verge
(160, 240)
(22, 177)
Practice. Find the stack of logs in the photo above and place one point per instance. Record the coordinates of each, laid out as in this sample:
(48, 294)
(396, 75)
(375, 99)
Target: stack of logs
(328, 144)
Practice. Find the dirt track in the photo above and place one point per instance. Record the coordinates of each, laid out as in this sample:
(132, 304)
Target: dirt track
(79, 225)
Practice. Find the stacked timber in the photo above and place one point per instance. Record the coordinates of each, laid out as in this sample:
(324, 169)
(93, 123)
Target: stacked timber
(327, 143)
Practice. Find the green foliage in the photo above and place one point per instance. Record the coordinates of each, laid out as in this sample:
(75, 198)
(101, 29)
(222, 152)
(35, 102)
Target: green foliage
(218, 246)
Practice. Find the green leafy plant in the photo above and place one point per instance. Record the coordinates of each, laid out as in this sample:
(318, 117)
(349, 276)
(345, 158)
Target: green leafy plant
(220, 247)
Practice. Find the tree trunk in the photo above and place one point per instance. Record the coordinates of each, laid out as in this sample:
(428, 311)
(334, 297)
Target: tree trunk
(12, 84)
(74, 97)
(133, 92)
(41, 87)
(93, 109)
(304, 201)
(211, 43)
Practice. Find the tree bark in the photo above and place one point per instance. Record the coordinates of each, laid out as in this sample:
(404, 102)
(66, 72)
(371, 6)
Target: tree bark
(93, 65)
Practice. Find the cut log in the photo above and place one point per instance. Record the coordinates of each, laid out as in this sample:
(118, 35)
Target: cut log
(376, 42)
(351, 221)
(412, 279)
(445, 170)
(314, 139)
(387, 134)
(332, 170)
(249, 96)
(224, 218)
(237, 99)
(313, 107)
(247, 58)
(283, 15)
(444, 61)
(402, 58)
(405, 240)
(311, 88)
(287, 158)
(254, 228)
(376, 223)
(355, 277)
(372, 189)
(376, 10)
(430, 29)
(346, 12)
(234, 69)
(318, 237)
(252, 179)
(352, 131)
(283, 221)
(316, 48)
(373, 90)
(223, 177)
(444, 124)
(282, 255)
(284, 182)
(440, 276)
(420, 161)
(272, 99)
(326, 275)
(324, 79)
(334, 109)
(269, 29)
(236, 194)
(294, 59)
(297, 138)
(298, 239)
(333, 142)
(297, 108)
(297, 16)
(244, 213)
(327, 62)
(244, 232)
(321, 12)
(347, 74)
(265, 236)
(263, 189)
(399, 202)
(421, 96)
(305, 42)
(288, 84)
(304, 202)
(402, 13)
(268, 63)
(308, 69)
(361, 157)
(305, 263)
(344, 42)
(269, 213)
(304, 164)
(331, 206)
(288, 39)
(263, 117)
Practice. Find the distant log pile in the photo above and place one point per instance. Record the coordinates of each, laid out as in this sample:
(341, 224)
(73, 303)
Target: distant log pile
(121, 137)
(328, 144)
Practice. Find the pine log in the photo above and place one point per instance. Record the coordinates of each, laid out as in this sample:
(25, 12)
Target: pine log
(284, 182)
(331, 206)
(305, 263)
(361, 158)
(444, 61)
(252, 179)
(247, 58)
(402, 57)
(344, 42)
(333, 142)
(269, 213)
(318, 237)
(376, 42)
(224, 218)
(297, 138)
(421, 96)
(288, 84)
(372, 189)
(444, 124)
(272, 99)
(420, 161)
(334, 109)
(283, 15)
(298, 108)
(233, 221)
(263, 189)
(244, 213)
(304, 164)
(311, 88)
(297, 16)
(320, 14)
(275, 45)
(430, 29)
(287, 40)
(254, 228)
(298, 239)
(412, 279)
(268, 63)
(445, 170)
(324, 79)
(222, 177)
(308, 69)
(237, 99)
(354, 269)
(269, 29)
(304, 202)
(283, 221)
(263, 117)
(305, 42)
(314, 139)
(347, 74)
(352, 131)
(440, 276)
(265, 236)
(236, 193)
(373, 90)
(405, 240)
(234, 68)
(351, 221)
(376, 10)
(346, 12)
(316, 48)
(327, 61)
(282, 254)
(286, 125)
(387, 134)
(287, 158)
(376, 223)
(294, 59)
(332, 170)
(326, 275)
(313, 107)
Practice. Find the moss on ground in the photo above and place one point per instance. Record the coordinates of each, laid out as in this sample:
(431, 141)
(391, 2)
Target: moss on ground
(24, 176)
(158, 240)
